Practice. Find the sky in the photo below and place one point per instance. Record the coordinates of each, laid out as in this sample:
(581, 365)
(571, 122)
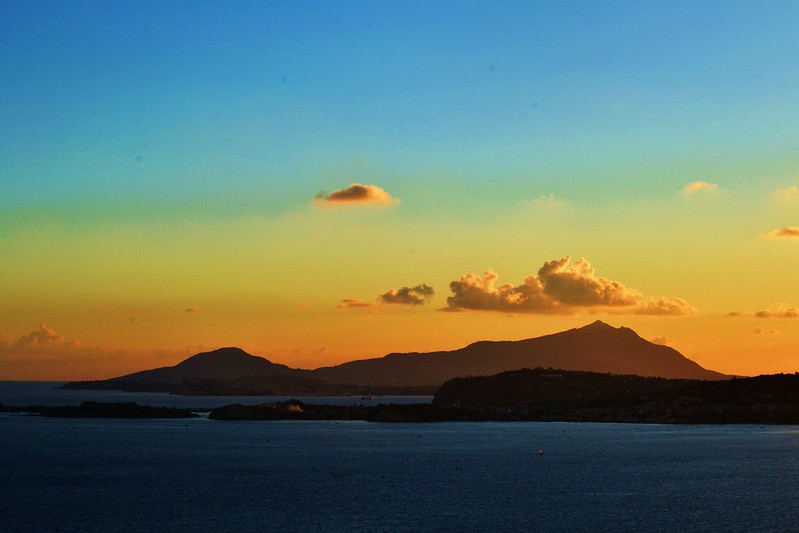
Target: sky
(318, 182)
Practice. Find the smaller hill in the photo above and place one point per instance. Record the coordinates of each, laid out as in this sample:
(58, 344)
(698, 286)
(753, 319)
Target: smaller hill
(222, 364)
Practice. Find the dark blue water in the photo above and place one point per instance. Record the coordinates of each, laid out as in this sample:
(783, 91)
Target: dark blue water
(205, 475)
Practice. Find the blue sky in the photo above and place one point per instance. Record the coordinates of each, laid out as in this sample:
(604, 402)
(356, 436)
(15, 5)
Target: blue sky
(163, 103)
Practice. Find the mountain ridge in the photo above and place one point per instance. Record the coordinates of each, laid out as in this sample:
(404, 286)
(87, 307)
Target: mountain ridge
(596, 347)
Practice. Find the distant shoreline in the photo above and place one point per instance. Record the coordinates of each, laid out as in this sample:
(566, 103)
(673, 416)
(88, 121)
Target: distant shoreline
(391, 413)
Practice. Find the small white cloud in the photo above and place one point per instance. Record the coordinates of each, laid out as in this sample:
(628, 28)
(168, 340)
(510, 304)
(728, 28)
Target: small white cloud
(546, 201)
(698, 186)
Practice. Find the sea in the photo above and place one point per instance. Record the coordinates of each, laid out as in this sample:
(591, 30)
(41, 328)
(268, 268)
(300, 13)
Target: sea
(199, 474)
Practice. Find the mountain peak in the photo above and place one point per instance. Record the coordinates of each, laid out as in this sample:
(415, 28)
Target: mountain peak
(226, 351)
(598, 325)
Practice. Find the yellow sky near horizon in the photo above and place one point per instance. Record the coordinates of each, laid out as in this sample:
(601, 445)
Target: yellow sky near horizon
(139, 295)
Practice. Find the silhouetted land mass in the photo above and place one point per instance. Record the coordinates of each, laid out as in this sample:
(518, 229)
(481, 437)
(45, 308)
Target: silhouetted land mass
(102, 410)
(297, 410)
(224, 364)
(597, 347)
(535, 395)
(546, 394)
(561, 395)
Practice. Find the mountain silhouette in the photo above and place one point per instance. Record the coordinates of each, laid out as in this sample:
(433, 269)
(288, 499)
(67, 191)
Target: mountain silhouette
(222, 364)
(597, 347)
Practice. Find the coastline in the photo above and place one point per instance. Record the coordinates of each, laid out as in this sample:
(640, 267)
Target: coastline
(404, 413)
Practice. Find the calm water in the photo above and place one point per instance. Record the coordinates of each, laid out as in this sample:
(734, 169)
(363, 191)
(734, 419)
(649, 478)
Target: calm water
(205, 475)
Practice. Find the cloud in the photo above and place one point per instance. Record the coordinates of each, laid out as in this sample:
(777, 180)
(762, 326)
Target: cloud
(665, 341)
(47, 354)
(417, 295)
(480, 293)
(40, 339)
(546, 201)
(697, 186)
(192, 310)
(351, 303)
(664, 305)
(787, 231)
(578, 285)
(560, 287)
(762, 331)
(356, 194)
(780, 310)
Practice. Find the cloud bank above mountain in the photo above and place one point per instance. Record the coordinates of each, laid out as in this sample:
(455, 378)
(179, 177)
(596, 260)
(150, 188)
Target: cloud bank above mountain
(559, 287)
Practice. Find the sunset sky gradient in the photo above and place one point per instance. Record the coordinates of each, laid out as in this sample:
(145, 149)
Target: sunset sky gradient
(323, 181)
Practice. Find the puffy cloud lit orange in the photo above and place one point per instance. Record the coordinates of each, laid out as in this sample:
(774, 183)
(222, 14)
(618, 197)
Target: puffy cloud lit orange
(40, 339)
(560, 287)
(356, 194)
(780, 310)
(417, 295)
(47, 354)
(788, 231)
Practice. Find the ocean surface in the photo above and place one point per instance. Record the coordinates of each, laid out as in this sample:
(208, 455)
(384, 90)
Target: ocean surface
(205, 475)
